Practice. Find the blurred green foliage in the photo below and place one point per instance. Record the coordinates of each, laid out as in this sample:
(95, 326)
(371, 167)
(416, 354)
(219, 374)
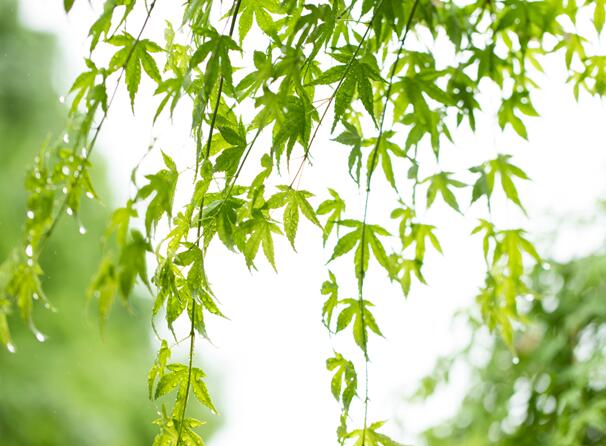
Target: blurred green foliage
(554, 392)
(78, 387)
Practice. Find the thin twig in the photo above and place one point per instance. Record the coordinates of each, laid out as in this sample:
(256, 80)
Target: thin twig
(91, 145)
(192, 331)
(371, 168)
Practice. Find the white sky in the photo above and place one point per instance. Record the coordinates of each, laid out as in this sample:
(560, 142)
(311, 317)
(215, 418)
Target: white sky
(270, 354)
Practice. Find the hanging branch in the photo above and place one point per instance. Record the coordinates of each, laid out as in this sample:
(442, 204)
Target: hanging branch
(373, 161)
(192, 331)
(91, 144)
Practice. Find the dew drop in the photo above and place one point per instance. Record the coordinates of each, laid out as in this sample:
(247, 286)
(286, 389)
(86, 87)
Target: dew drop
(10, 347)
(29, 251)
(62, 99)
(30, 215)
(83, 152)
(90, 195)
(64, 190)
(65, 138)
(30, 262)
(35, 296)
(515, 360)
(82, 230)
(37, 174)
(66, 170)
(39, 336)
(69, 211)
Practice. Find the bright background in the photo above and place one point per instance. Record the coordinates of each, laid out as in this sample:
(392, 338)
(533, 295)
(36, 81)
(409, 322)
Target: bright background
(268, 358)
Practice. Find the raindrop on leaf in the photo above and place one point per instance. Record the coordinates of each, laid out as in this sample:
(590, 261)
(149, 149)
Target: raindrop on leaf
(11, 348)
(30, 215)
(29, 250)
(69, 211)
(66, 138)
(82, 230)
(62, 99)
(515, 360)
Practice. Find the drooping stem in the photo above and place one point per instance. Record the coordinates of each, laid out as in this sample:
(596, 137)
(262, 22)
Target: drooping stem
(91, 145)
(333, 96)
(192, 330)
(371, 168)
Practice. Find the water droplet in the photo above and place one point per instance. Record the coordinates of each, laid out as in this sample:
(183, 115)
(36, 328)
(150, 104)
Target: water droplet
(37, 174)
(39, 336)
(10, 347)
(30, 262)
(82, 230)
(83, 152)
(62, 99)
(29, 250)
(66, 170)
(30, 215)
(546, 266)
(69, 211)
(64, 190)
(65, 138)
(90, 195)
(35, 296)
(515, 360)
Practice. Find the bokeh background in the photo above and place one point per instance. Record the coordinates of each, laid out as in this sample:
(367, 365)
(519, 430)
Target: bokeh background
(81, 387)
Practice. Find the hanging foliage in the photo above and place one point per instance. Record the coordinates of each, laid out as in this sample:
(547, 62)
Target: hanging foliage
(367, 71)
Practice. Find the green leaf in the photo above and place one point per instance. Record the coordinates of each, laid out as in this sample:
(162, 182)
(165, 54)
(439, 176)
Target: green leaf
(162, 185)
(104, 287)
(296, 202)
(157, 370)
(363, 320)
(132, 263)
(330, 289)
(370, 437)
(200, 390)
(67, 5)
(599, 15)
(261, 10)
(357, 75)
(335, 208)
(442, 184)
(502, 167)
(344, 382)
(133, 56)
(259, 230)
